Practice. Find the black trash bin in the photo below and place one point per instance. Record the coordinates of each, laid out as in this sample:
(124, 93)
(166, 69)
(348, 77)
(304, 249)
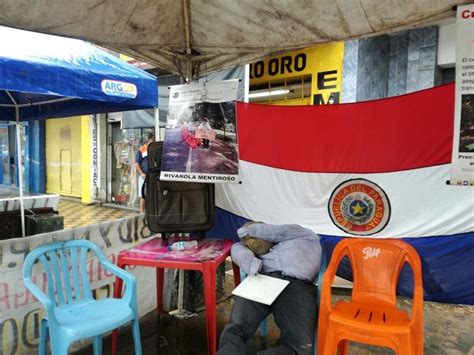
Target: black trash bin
(43, 222)
(10, 222)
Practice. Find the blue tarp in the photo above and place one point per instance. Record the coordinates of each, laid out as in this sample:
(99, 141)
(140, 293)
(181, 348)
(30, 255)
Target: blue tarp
(76, 77)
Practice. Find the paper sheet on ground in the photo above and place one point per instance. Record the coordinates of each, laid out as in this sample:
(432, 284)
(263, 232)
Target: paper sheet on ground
(260, 288)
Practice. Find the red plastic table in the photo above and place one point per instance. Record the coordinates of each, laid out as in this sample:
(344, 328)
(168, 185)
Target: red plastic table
(206, 258)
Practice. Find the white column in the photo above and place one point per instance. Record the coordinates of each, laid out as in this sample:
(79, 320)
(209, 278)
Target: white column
(20, 173)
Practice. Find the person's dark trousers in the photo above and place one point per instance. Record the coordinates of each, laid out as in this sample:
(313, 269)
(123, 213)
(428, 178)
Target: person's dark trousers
(294, 311)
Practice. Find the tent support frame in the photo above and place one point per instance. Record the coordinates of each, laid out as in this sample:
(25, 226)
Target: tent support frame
(46, 102)
(18, 154)
(157, 124)
(20, 174)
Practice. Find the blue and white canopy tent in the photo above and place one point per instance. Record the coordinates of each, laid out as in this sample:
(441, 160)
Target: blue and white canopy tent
(44, 76)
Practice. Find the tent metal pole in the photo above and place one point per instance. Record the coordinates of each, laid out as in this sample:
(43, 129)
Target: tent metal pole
(52, 101)
(157, 124)
(246, 82)
(20, 174)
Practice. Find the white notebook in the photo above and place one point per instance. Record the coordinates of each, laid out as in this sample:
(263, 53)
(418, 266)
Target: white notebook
(260, 288)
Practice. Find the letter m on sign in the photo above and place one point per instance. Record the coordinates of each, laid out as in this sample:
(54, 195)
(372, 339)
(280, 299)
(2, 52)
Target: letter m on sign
(318, 99)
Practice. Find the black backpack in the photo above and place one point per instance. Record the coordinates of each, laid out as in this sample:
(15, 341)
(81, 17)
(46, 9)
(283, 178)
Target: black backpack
(173, 206)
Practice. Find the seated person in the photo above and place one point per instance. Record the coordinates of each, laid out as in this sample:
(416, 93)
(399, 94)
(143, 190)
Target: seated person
(289, 252)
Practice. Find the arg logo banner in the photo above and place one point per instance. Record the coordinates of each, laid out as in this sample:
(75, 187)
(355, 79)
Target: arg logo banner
(119, 88)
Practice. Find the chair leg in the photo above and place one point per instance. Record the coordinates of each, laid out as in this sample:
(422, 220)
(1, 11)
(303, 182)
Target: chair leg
(331, 343)
(406, 344)
(263, 328)
(343, 347)
(320, 339)
(136, 336)
(59, 347)
(115, 334)
(98, 345)
(209, 278)
(329, 348)
(159, 290)
(118, 287)
(417, 344)
(236, 272)
(117, 294)
(404, 348)
(43, 337)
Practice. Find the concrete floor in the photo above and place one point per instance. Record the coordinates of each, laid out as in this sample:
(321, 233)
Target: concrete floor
(448, 330)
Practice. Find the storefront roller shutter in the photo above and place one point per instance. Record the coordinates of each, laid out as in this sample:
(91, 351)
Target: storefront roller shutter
(63, 156)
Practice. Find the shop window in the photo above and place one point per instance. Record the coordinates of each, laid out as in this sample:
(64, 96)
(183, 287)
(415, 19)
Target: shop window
(448, 75)
(125, 145)
(4, 139)
(282, 91)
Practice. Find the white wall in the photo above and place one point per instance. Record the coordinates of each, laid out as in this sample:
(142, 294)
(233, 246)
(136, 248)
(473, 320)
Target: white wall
(447, 45)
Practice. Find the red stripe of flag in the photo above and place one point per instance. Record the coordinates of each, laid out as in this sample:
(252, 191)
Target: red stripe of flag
(400, 133)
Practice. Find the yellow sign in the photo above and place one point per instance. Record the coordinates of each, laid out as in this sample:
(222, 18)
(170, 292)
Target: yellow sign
(289, 65)
(326, 83)
(322, 62)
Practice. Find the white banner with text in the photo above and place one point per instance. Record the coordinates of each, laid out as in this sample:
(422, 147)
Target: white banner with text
(462, 164)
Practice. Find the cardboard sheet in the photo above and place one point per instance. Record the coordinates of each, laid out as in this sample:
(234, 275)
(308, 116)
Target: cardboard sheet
(260, 288)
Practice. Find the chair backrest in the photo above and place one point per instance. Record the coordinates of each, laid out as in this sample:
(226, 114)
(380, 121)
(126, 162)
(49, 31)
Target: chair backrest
(376, 266)
(66, 269)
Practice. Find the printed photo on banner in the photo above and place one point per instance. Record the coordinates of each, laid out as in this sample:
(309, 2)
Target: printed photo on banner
(462, 162)
(201, 133)
(466, 132)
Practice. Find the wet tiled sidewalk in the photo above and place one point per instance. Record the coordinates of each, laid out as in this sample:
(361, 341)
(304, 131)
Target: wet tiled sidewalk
(78, 214)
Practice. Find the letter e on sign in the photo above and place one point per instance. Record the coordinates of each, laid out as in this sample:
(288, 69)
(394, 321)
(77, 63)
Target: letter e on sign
(326, 77)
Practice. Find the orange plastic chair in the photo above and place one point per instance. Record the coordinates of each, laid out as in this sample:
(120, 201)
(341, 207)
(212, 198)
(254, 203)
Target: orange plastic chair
(372, 317)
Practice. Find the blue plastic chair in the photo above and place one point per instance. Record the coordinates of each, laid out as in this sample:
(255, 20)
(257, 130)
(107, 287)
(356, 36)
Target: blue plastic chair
(71, 311)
